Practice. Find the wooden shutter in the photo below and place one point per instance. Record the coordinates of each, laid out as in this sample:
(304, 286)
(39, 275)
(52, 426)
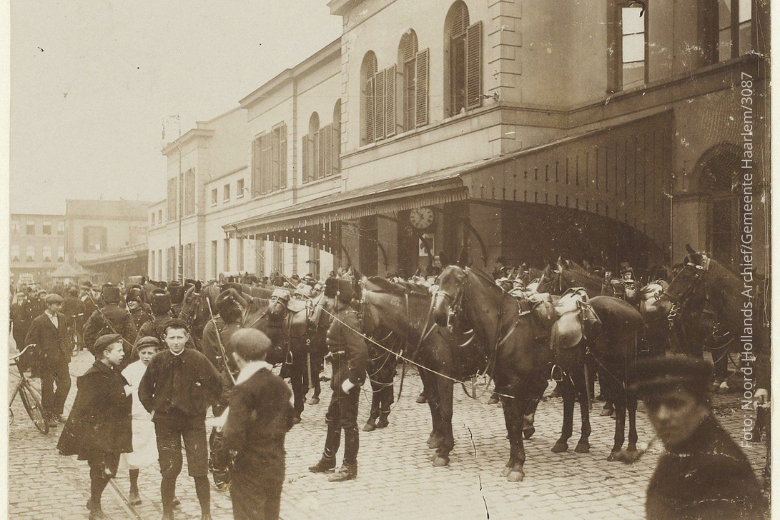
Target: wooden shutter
(256, 157)
(370, 101)
(267, 162)
(305, 159)
(336, 153)
(421, 89)
(390, 101)
(379, 106)
(283, 156)
(325, 150)
(474, 66)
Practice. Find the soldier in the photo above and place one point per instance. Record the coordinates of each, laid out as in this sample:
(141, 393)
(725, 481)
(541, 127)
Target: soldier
(350, 356)
(140, 312)
(177, 297)
(73, 309)
(229, 305)
(111, 319)
(703, 473)
(161, 312)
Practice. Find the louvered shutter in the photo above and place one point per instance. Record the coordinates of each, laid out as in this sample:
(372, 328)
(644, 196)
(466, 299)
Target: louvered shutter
(336, 143)
(370, 98)
(474, 66)
(390, 101)
(305, 159)
(421, 89)
(275, 165)
(256, 167)
(325, 150)
(283, 156)
(267, 162)
(379, 106)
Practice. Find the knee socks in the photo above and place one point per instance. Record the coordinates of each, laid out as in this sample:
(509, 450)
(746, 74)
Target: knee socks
(134, 480)
(167, 492)
(203, 490)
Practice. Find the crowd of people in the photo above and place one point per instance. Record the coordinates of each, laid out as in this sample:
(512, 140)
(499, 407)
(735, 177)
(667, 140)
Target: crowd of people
(147, 394)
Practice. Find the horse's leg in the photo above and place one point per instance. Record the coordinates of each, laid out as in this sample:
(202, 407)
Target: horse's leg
(540, 385)
(583, 445)
(444, 390)
(429, 389)
(374, 413)
(620, 425)
(514, 409)
(567, 392)
(633, 437)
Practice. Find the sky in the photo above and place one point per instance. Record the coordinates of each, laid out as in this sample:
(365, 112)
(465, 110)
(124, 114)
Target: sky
(94, 82)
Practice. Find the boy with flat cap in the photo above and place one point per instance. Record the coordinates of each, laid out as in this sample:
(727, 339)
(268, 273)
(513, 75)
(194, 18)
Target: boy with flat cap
(703, 474)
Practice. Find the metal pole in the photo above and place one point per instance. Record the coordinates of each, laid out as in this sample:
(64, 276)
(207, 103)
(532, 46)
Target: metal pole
(180, 271)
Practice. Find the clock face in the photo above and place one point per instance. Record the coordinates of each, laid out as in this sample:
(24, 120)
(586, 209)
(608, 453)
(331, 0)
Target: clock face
(421, 218)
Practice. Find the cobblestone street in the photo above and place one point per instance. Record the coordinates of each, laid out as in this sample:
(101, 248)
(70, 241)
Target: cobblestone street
(395, 478)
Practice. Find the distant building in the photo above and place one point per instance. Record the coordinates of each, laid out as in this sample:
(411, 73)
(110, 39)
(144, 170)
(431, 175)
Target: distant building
(37, 245)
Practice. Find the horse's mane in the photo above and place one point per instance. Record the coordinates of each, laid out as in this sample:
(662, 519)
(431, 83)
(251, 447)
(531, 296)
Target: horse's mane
(383, 285)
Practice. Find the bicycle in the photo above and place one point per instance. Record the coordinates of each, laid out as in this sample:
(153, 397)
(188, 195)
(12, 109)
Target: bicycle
(30, 397)
(73, 336)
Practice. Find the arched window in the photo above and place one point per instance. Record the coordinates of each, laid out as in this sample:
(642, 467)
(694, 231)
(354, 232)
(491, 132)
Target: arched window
(320, 148)
(719, 180)
(414, 82)
(367, 81)
(462, 61)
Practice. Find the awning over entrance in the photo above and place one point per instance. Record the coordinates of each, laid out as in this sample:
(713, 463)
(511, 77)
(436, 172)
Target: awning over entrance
(430, 188)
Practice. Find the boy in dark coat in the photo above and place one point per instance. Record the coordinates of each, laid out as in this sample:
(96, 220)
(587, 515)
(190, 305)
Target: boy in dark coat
(99, 427)
(259, 417)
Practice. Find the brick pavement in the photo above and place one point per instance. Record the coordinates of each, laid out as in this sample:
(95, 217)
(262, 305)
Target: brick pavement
(395, 478)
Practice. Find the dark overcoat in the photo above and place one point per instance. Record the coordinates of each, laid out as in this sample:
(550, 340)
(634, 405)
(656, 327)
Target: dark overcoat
(707, 478)
(121, 323)
(52, 345)
(101, 419)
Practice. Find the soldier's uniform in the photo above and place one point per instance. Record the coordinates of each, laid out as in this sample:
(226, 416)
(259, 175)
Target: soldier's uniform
(177, 297)
(121, 322)
(141, 313)
(349, 358)
(161, 311)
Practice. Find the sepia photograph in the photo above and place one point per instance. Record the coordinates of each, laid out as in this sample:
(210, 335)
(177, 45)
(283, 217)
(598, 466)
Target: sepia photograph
(388, 259)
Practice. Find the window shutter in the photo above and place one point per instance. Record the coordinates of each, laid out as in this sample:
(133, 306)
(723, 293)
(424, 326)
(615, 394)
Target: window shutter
(421, 89)
(370, 98)
(267, 163)
(379, 106)
(283, 156)
(474, 66)
(325, 150)
(305, 159)
(256, 158)
(390, 101)
(336, 143)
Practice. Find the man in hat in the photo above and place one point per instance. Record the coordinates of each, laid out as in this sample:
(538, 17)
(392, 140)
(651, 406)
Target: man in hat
(111, 319)
(703, 473)
(349, 357)
(140, 311)
(48, 332)
(178, 387)
(217, 335)
(99, 427)
(73, 309)
(161, 312)
(177, 297)
(260, 416)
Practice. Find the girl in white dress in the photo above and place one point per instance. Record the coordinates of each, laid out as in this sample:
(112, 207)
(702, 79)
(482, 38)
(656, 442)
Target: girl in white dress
(144, 439)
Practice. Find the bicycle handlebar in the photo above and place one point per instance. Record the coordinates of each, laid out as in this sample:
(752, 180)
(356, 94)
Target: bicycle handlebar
(20, 354)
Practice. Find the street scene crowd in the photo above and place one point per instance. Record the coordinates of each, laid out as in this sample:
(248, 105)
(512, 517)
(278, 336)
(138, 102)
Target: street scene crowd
(224, 369)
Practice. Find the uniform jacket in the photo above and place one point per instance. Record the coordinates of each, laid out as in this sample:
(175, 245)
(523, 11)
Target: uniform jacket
(101, 417)
(343, 340)
(210, 343)
(72, 307)
(52, 341)
(141, 315)
(260, 416)
(121, 321)
(708, 478)
(191, 391)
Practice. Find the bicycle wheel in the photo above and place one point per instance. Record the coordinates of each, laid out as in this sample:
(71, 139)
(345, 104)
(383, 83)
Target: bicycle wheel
(33, 406)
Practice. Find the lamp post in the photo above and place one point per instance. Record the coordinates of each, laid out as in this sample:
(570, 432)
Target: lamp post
(179, 204)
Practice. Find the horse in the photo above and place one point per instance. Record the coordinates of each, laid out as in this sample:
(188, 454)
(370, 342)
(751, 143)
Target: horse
(603, 329)
(566, 274)
(469, 299)
(404, 308)
(195, 306)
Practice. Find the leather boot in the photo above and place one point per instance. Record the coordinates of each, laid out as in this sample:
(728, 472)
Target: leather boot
(421, 399)
(383, 422)
(351, 446)
(345, 472)
(371, 422)
(324, 465)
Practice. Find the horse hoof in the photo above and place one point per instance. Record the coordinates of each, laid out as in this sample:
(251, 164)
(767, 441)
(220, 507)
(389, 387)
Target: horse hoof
(613, 456)
(607, 412)
(435, 442)
(515, 476)
(560, 447)
(369, 427)
(440, 462)
(382, 424)
(421, 399)
(528, 432)
(582, 447)
(506, 471)
(631, 448)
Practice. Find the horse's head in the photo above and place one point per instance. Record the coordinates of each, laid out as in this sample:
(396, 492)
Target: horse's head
(447, 304)
(685, 284)
(277, 306)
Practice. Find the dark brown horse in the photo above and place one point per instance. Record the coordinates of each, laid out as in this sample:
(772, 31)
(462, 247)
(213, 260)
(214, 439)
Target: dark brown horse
(404, 309)
(469, 299)
(565, 274)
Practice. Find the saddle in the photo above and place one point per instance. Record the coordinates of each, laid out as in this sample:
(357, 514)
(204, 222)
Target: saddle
(575, 315)
(650, 295)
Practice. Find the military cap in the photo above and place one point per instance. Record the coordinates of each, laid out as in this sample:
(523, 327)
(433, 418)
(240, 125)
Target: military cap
(339, 288)
(147, 341)
(176, 324)
(161, 302)
(659, 374)
(53, 298)
(177, 292)
(73, 291)
(227, 305)
(228, 285)
(134, 295)
(86, 285)
(110, 293)
(251, 344)
(104, 341)
(309, 280)
(281, 294)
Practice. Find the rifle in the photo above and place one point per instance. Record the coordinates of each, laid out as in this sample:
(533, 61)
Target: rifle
(108, 322)
(219, 341)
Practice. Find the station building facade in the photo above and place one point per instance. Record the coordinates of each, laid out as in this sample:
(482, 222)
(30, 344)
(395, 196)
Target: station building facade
(607, 131)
